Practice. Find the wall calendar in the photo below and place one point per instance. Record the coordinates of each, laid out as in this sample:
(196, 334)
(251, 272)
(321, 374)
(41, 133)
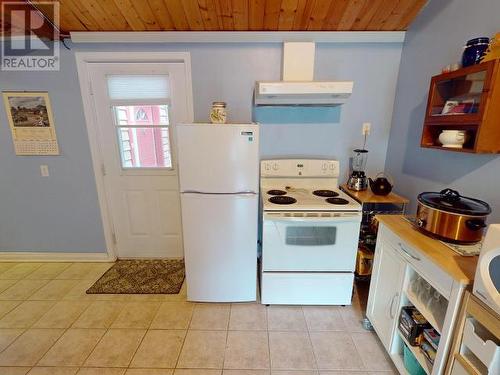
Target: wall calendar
(31, 123)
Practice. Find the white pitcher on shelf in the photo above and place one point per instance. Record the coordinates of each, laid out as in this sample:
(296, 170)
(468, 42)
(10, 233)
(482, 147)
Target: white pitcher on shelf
(452, 138)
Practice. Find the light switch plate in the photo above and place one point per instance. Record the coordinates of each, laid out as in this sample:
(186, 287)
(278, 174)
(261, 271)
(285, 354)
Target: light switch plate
(44, 170)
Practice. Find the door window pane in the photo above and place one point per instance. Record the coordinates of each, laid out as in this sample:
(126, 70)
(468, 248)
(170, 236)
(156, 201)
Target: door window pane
(144, 147)
(151, 115)
(138, 86)
(310, 236)
(142, 129)
(143, 136)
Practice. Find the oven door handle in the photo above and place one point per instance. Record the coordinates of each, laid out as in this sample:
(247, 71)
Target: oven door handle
(312, 219)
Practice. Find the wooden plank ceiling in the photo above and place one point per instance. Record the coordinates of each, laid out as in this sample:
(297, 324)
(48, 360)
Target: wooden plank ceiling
(236, 15)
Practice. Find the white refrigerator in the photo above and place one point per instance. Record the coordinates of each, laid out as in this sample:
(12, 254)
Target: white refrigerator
(219, 184)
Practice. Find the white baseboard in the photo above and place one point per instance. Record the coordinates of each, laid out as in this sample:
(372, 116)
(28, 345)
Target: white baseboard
(31, 256)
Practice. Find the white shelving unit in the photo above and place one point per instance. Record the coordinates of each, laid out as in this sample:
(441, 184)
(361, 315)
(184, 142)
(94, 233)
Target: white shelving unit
(415, 301)
(476, 350)
(397, 264)
(409, 298)
(418, 355)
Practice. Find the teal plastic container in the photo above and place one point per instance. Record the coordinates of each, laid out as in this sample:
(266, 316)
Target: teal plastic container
(411, 363)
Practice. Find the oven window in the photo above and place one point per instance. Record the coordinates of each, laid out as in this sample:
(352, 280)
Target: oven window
(311, 236)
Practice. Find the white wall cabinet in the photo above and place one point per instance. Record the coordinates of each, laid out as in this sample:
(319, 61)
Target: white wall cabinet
(398, 263)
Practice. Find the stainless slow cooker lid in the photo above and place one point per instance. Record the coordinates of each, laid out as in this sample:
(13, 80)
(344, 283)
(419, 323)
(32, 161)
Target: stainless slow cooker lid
(451, 201)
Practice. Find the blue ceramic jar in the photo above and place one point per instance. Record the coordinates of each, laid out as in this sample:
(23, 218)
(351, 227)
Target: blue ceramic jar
(474, 50)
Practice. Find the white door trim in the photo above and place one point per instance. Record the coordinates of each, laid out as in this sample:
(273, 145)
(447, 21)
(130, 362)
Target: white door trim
(82, 61)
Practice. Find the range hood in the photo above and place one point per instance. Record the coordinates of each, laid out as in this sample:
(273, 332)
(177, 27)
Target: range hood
(312, 93)
(298, 87)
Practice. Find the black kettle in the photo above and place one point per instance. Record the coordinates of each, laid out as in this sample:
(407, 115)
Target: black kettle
(381, 185)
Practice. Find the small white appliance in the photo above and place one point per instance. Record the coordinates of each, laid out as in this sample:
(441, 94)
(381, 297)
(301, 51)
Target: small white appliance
(487, 280)
(310, 233)
(219, 182)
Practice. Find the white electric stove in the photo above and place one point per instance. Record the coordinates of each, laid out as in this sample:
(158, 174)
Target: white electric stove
(310, 233)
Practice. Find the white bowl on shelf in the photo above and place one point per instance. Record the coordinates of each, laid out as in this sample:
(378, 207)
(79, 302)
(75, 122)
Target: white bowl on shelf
(452, 138)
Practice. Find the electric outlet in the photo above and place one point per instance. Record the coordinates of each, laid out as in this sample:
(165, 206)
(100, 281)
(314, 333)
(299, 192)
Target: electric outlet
(366, 128)
(44, 170)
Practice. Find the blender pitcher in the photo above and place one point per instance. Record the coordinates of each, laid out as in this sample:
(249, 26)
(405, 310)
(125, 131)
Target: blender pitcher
(358, 180)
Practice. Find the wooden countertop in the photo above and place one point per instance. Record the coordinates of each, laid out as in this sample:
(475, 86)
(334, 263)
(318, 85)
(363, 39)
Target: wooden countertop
(367, 196)
(460, 268)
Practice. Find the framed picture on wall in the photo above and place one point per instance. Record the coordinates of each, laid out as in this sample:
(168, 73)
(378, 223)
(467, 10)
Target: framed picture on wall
(31, 123)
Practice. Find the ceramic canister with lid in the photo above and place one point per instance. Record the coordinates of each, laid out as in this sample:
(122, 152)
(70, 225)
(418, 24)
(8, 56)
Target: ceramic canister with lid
(474, 50)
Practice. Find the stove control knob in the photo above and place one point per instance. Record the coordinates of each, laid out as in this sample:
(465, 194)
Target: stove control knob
(267, 167)
(324, 166)
(275, 166)
(332, 166)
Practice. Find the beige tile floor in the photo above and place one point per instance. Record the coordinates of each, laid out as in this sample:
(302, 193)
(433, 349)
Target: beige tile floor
(50, 326)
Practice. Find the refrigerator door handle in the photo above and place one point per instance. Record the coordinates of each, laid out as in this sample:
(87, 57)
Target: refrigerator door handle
(245, 192)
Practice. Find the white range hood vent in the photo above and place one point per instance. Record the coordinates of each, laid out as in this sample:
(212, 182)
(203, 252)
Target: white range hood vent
(314, 93)
(297, 86)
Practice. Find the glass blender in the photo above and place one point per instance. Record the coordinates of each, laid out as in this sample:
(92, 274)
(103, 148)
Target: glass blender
(357, 180)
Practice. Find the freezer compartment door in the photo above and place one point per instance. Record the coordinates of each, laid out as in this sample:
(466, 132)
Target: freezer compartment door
(220, 246)
(218, 158)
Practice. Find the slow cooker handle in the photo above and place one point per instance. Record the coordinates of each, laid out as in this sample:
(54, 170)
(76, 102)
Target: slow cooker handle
(450, 195)
(421, 222)
(475, 224)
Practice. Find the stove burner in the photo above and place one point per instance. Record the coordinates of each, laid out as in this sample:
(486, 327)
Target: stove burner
(325, 193)
(281, 199)
(276, 192)
(337, 200)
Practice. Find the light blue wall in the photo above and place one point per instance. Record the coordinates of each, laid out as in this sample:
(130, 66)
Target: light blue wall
(57, 213)
(434, 40)
(373, 68)
(61, 213)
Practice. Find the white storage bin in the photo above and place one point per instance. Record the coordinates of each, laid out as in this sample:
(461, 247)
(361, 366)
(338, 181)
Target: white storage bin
(482, 344)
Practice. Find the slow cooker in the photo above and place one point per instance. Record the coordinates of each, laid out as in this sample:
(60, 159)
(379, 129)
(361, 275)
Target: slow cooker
(451, 217)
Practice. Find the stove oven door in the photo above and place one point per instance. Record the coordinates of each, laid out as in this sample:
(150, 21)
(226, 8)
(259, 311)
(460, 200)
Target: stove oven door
(310, 241)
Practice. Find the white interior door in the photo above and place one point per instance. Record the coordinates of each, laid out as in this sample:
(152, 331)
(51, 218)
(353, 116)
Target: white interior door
(137, 106)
